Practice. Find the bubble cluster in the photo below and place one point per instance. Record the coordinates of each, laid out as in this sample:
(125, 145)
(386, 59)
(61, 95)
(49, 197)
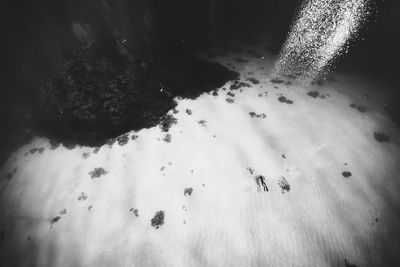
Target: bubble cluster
(320, 34)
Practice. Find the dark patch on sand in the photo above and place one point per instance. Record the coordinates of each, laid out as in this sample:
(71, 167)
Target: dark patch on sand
(315, 94)
(283, 99)
(63, 212)
(258, 116)
(237, 85)
(229, 100)
(135, 212)
(82, 197)
(231, 94)
(54, 220)
(361, 109)
(167, 121)
(215, 93)
(158, 219)
(167, 138)
(188, 191)
(276, 81)
(253, 80)
(284, 156)
(284, 185)
(97, 172)
(346, 174)
(381, 137)
(123, 139)
(134, 137)
(189, 111)
(97, 149)
(202, 123)
(85, 155)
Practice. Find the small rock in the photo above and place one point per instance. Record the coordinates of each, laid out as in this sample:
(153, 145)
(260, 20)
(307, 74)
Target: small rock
(346, 174)
(54, 220)
(135, 212)
(158, 219)
(285, 100)
(82, 196)
(229, 100)
(284, 185)
(97, 172)
(167, 138)
(123, 139)
(188, 191)
(63, 212)
(258, 116)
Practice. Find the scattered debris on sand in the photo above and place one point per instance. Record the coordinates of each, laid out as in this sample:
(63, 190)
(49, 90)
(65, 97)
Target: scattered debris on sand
(315, 94)
(123, 139)
(63, 212)
(203, 123)
(167, 121)
(54, 220)
(237, 85)
(253, 80)
(258, 116)
(283, 99)
(97, 172)
(135, 212)
(229, 100)
(82, 197)
(158, 219)
(276, 81)
(346, 174)
(284, 185)
(188, 191)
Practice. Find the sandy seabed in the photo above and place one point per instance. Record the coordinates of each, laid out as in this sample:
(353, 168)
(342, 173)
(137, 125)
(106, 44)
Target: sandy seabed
(193, 196)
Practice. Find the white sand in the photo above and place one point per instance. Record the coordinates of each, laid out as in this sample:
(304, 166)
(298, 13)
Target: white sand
(324, 219)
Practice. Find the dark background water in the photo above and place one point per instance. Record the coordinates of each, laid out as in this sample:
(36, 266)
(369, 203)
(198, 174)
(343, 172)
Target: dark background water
(35, 34)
